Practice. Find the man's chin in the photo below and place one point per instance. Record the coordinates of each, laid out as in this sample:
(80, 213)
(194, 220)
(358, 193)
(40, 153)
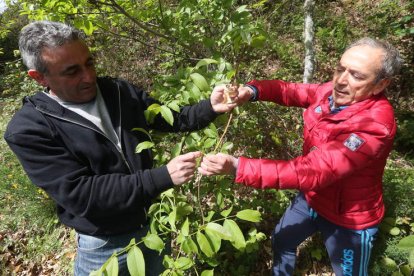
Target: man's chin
(85, 96)
(340, 101)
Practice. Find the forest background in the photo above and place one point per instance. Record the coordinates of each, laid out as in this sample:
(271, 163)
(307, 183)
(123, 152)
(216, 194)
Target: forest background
(178, 51)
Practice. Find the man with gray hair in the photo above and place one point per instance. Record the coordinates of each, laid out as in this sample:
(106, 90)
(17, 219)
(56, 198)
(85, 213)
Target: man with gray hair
(75, 140)
(348, 134)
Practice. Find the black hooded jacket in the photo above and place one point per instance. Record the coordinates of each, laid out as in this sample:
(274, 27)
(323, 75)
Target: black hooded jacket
(98, 189)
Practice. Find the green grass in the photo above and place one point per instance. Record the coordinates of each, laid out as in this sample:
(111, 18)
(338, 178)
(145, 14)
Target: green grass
(32, 241)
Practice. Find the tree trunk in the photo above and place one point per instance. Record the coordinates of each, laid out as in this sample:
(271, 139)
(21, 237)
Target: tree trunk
(308, 38)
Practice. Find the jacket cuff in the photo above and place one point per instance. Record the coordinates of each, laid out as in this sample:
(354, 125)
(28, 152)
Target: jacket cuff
(255, 95)
(206, 104)
(161, 180)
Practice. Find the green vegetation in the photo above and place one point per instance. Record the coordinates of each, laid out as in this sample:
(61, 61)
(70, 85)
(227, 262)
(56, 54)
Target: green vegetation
(178, 51)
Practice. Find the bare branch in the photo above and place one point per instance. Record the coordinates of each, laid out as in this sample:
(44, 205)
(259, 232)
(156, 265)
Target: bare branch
(134, 38)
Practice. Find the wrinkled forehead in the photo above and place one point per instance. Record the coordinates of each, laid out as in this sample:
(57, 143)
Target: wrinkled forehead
(363, 58)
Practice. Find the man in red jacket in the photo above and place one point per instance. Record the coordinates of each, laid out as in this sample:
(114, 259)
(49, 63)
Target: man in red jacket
(349, 128)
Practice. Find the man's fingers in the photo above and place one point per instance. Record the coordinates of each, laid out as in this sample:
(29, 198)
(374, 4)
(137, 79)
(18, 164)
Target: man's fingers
(190, 156)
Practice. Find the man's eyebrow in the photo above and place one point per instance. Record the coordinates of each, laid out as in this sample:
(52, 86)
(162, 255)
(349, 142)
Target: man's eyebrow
(70, 68)
(76, 66)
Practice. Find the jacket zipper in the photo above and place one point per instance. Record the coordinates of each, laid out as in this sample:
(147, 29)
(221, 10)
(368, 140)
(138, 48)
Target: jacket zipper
(93, 129)
(120, 138)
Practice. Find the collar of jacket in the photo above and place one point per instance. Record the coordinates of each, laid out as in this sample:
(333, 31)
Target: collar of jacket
(110, 92)
(352, 109)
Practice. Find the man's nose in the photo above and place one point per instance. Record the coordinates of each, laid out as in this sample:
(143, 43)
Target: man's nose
(89, 74)
(342, 77)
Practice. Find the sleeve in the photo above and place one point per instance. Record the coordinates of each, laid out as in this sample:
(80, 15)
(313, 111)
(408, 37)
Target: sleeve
(286, 93)
(191, 117)
(71, 181)
(348, 154)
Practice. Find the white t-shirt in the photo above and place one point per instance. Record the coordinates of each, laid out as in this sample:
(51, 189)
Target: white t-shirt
(95, 111)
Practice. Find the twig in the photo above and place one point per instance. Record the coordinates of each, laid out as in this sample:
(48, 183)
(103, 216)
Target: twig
(199, 176)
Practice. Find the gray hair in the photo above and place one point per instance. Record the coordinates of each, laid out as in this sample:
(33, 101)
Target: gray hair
(392, 61)
(38, 35)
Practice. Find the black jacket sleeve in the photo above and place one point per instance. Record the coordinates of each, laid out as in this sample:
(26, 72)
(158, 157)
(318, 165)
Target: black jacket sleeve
(88, 179)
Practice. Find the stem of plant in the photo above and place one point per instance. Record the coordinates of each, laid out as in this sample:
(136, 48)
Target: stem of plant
(199, 176)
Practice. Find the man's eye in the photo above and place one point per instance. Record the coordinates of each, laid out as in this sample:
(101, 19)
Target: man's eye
(358, 77)
(70, 73)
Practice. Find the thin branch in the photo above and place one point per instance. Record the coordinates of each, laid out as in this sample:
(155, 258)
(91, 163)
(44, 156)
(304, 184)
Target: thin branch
(113, 4)
(135, 39)
(140, 24)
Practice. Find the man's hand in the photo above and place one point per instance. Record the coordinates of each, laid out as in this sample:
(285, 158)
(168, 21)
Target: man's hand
(218, 164)
(182, 167)
(245, 94)
(218, 100)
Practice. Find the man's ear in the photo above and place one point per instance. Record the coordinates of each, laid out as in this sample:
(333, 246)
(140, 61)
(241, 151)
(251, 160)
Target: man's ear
(38, 77)
(381, 85)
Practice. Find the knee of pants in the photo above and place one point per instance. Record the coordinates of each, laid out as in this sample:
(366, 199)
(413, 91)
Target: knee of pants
(281, 240)
(288, 238)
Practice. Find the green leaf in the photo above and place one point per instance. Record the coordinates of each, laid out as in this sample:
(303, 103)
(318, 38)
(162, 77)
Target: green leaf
(176, 150)
(209, 216)
(214, 240)
(395, 231)
(210, 133)
(174, 106)
(142, 130)
(205, 61)
(258, 41)
(185, 228)
(151, 112)
(237, 240)
(183, 209)
(204, 244)
(220, 199)
(389, 264)
(406, 243)
(167, 115)
(183, 263)
(194, 91)
(207, 273)
(168, 193)
(218, 230)
(154, 107)
(172, 218)
(200, 81)
(405, 269)
(143, 146)
(226, 213)
(136, 262)
(112, 267)
(209, 143)
(249, 215)
(411, 258)
(168, 262)
(87, 27)
(189, 246)
(231, 74)
(153, 242)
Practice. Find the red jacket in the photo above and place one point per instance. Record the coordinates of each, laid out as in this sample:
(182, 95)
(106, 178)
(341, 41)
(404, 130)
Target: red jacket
(344, 154)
